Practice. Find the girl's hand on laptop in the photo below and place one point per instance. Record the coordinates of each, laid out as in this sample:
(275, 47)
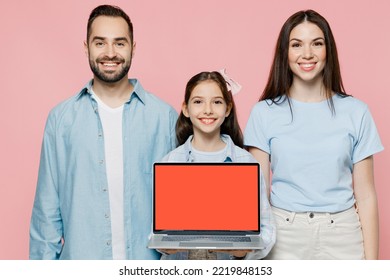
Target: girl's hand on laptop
(236, 253)
(170, 251)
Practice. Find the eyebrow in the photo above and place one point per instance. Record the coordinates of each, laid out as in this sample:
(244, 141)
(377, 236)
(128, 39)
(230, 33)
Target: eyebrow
(115, 39)
(202, 97)
(121, 39)
(196, 96)
(316, 39)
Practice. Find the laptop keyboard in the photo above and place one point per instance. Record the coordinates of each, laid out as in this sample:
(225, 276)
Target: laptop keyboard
(213, 238)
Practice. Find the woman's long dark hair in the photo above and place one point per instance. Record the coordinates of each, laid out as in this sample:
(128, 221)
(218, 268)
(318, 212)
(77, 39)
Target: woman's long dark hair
(230, 126)
(281, 77)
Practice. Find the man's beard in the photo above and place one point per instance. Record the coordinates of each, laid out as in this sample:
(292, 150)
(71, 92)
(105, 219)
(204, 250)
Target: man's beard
(109, 78)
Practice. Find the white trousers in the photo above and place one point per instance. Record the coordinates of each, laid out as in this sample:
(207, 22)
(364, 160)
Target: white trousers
(317, 236)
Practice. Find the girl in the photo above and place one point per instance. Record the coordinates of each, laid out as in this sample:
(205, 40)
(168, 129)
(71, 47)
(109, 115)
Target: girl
(207, 130)
(319, 143)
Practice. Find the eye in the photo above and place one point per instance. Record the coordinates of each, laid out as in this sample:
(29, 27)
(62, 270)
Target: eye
(196, 101)
(219, 101)
(120, 44)
(295, 45)
(318, 43)
(99, 44)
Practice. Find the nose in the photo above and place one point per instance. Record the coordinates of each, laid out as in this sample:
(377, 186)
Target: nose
(208, 108)
(307, 52)
(110, 50)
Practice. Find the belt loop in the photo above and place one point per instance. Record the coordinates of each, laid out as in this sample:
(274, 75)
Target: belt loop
(291, 217)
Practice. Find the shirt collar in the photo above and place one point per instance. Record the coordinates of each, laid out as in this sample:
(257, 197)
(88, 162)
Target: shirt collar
(224, 137)
(138, 90)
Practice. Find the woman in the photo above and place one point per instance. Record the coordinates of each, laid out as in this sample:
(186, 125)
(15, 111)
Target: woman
(319, 143)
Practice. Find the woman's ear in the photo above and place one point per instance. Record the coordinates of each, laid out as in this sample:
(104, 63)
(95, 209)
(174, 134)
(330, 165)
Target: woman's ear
(184, 109)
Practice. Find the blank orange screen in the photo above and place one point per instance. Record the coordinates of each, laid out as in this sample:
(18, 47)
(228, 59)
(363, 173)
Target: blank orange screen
(206, 197)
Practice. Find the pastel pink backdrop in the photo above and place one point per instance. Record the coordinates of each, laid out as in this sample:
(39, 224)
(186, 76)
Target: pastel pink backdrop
(44, 63)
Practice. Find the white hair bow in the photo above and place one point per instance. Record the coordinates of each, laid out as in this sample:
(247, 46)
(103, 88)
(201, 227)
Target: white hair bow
(232, 85)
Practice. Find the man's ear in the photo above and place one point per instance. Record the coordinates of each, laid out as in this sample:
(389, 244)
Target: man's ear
(86, 48)
(133, 49)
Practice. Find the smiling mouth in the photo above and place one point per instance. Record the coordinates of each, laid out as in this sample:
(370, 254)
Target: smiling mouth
(110, 64)
(207, 121)
(307, 66)
(106, 62)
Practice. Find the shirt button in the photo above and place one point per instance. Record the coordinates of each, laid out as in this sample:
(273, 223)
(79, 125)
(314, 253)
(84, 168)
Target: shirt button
(108, 243)
(107, 216)
(101, 161)
(104, 189)
(311, 215)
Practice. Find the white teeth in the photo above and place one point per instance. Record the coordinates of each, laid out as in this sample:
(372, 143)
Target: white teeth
(307, 65)
(207, 121)
(109, 64)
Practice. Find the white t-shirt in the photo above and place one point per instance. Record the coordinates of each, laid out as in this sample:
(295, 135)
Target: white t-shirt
(312, 150)
(217, 156)
(111, 119)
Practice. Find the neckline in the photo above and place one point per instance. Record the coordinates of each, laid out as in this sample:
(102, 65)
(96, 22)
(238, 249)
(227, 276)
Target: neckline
(105, 107)
(209, 152)
(303, 103)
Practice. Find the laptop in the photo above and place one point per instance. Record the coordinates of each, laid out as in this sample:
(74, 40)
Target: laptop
(206, 206)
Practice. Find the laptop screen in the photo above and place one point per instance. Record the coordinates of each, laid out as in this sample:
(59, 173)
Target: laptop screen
(206, 197)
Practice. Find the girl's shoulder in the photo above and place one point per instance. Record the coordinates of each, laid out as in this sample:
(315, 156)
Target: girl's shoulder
(180, 154)
(242, 155)
(236, 153)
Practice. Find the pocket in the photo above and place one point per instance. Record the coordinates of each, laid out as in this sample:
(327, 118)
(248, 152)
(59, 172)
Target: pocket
(346, 236)
(348, 220)
(347, 224)
(282, 218)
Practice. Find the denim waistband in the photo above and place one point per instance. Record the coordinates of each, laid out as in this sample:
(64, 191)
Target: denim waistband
(311, 216)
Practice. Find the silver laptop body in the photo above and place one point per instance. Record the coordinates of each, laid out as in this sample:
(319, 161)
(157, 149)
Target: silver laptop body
(206, 206)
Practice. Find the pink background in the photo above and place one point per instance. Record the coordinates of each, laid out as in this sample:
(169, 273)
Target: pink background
(44, 63)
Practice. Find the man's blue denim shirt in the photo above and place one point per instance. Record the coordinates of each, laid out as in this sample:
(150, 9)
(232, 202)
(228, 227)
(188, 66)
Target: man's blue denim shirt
(71, 213)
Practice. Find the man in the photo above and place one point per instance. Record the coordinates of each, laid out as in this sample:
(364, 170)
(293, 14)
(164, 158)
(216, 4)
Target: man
(94, 192)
